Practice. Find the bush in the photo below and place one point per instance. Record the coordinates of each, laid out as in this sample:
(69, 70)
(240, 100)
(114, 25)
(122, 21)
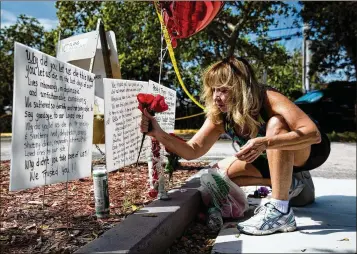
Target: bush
(347, 136)
(5, 124)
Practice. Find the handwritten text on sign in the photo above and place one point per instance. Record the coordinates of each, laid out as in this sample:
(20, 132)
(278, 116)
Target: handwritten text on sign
(122, 119)
(52, 120)
(165, 119)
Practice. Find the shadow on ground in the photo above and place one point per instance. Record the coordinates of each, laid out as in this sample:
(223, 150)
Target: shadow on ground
(329, 214)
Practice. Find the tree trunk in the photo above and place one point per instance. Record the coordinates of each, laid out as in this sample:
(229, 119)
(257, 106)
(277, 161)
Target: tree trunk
(232, 41)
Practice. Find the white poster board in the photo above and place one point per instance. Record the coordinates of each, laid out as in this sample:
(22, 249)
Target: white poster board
(165, 119)
(79, 49)
(76, 47)
(52, 120)
(122, 119)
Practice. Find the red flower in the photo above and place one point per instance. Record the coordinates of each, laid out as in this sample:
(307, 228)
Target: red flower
(145, 100)
(158, 104)
(153, 193)
(155, 176)
(153, 105)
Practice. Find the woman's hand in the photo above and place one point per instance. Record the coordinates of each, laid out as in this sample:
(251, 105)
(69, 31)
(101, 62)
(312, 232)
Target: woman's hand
(146, 119)
(252, 149)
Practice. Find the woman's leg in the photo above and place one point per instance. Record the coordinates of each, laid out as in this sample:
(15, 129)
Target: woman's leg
(242, 173)
(275, 215)
(281, 162)
(251, 181)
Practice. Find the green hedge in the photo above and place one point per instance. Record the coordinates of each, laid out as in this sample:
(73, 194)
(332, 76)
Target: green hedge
(347, 136)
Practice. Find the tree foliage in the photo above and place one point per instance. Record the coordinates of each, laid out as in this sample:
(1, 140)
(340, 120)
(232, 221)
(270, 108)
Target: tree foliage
(287, 78)
(333, 32)
(27, 31)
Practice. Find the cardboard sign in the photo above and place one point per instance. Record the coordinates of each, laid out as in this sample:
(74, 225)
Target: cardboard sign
(122, 119)
(78, 50)
(52, 120)
(166, 119)
(82, 46)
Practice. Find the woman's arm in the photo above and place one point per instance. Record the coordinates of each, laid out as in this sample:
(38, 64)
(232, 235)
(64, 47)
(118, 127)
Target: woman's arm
(197, 146)
(303, 131)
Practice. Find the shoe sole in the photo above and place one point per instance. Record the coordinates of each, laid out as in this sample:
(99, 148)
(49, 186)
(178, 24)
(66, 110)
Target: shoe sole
(284, 229)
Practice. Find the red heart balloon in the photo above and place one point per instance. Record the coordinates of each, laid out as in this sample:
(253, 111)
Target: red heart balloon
(212, 8)
(186, 18)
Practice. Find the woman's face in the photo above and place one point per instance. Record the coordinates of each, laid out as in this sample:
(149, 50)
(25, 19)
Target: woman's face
(220, 97)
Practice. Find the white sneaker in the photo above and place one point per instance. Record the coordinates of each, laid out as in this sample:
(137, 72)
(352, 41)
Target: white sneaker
(268, 220)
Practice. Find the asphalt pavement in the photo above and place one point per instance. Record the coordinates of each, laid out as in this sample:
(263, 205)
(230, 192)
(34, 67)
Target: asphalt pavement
(341, 163)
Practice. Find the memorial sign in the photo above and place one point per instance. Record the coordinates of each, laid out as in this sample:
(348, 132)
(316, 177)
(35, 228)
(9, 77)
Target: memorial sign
(52, 120)
(166, 119)
(79, 49)
(122, 119)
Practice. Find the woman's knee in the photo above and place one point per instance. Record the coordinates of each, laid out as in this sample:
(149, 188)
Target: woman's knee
(226, 163)
(231, 166)
(236, 168)
(276, 125)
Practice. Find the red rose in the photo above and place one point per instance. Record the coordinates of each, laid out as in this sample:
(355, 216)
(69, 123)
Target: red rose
(158, 104)
(153, 193)
(155, 176)
(153, 105)
(144, 100)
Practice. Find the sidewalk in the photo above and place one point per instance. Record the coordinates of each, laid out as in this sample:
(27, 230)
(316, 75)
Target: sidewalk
(328, 225)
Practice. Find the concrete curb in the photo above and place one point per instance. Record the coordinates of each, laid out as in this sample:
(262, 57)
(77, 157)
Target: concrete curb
(153, 228)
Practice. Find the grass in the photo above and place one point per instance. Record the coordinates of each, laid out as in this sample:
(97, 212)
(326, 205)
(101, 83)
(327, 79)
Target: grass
(185, 132)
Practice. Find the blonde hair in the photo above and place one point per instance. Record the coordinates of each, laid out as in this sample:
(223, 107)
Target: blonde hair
(245, 100)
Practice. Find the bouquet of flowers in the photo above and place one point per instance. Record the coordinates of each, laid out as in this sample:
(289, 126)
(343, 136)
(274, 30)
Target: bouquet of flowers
(153, 105)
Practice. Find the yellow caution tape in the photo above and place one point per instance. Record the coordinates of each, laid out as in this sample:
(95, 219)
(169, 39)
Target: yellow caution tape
(172, 56)
(185, 117)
